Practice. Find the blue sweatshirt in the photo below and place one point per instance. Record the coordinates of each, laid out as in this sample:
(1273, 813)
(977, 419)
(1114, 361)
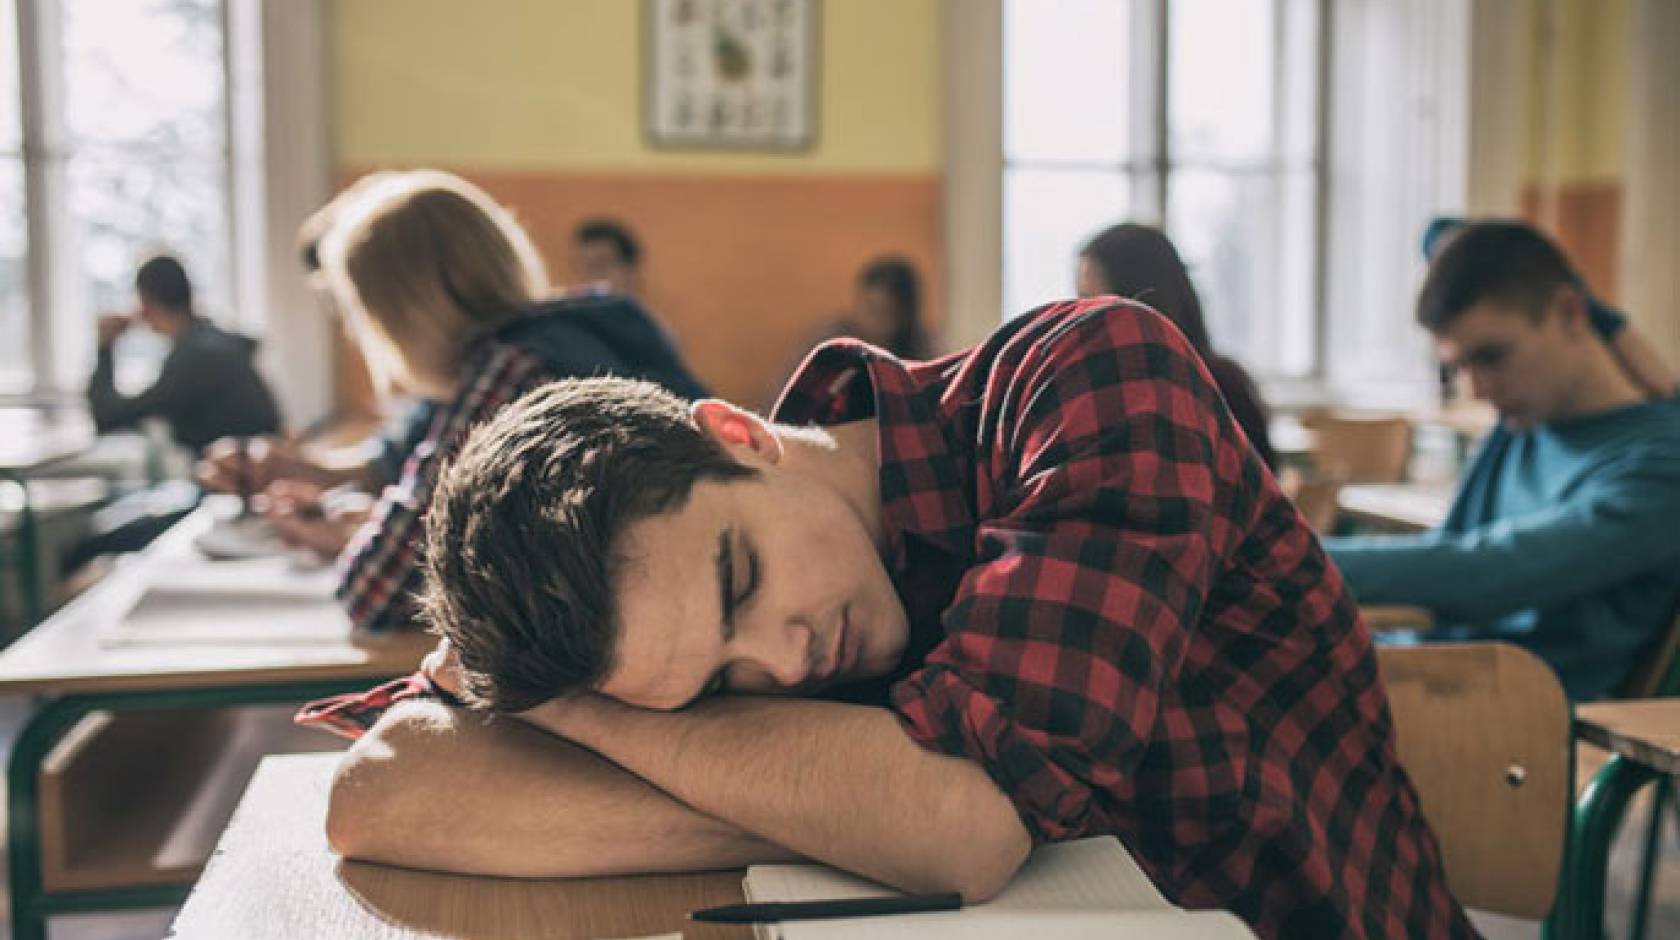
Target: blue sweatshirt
(1564, 539)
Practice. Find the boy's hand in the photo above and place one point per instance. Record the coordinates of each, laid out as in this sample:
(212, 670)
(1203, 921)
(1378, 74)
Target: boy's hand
(111, 326)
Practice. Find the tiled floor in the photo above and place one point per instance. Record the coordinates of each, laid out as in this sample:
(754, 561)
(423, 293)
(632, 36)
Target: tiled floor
(1665, 919)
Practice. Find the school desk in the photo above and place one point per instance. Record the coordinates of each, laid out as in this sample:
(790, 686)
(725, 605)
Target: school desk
(71, 669)
(273, 878)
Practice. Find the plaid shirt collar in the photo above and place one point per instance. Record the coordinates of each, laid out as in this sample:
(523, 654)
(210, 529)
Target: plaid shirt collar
(849, 380)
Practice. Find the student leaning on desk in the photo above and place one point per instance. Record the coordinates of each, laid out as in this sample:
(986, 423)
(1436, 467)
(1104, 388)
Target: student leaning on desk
(447, 298)
(1039, 590)
(1561, 535)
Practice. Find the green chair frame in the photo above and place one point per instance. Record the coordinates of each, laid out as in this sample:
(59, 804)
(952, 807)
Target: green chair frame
(1601, 810)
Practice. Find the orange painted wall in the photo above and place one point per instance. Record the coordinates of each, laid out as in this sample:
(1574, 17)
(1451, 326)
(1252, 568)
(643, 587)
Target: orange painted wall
(741, 268)
(1586, 219)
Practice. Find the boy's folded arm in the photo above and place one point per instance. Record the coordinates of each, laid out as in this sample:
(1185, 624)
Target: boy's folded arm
(843, 784)
(439, 788)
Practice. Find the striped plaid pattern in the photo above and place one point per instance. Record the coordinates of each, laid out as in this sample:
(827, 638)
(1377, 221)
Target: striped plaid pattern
(353, 715)
(380, 568)
(1137, 634)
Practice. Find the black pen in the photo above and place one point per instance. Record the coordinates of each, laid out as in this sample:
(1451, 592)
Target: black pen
(824, 910)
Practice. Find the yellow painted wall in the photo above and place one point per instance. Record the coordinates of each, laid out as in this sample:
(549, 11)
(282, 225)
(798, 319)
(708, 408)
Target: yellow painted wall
(1578, 91)
(556, 85)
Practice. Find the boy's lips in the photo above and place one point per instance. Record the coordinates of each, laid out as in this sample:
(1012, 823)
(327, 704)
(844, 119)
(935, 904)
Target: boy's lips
(840, 652)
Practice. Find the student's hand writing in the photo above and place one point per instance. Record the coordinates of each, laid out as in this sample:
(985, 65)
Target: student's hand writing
(233, 464)
(304, 516)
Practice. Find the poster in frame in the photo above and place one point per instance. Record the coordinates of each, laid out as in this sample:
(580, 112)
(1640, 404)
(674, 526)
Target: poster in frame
(730, 74)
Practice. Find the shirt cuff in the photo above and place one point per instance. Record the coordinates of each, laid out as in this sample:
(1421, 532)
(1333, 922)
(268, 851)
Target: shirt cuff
(943, 711)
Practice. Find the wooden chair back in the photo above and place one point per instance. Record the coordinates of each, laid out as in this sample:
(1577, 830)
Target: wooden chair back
(1484, 732)
(1354, 448)
(1314, 497)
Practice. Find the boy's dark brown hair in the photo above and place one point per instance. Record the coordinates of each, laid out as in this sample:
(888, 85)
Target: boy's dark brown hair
(1506, 262)
(521, 535)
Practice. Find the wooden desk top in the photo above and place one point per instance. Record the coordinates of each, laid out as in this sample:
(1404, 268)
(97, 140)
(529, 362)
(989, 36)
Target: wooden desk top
(1407, 506)
(65, 654)
(1644, 730)
(273, 878)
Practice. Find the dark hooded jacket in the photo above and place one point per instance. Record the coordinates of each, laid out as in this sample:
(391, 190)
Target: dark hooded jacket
(208, 389)
(601, 334)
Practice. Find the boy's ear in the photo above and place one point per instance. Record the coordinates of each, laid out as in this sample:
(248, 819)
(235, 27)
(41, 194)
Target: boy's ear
(736, 429)
(1570, 305)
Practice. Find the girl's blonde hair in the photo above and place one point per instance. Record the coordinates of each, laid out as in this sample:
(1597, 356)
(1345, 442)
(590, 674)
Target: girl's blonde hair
(422, 264)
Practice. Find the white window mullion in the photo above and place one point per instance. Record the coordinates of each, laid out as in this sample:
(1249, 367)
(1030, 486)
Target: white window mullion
(1149, 107)
(37, 34)
(246, 210)
(1322, 127)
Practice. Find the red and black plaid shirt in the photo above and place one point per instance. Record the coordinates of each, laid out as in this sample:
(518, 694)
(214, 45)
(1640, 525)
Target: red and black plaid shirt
(1136, 633)
(1117, 613)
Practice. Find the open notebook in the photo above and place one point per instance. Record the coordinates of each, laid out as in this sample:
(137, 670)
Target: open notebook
(262, 601)
(1070, 891)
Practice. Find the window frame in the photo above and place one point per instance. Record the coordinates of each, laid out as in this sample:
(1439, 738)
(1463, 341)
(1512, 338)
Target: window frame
(45, 152)
(1147, 170)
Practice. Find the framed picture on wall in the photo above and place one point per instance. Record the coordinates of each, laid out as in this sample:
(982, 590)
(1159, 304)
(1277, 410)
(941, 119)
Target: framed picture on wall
(730, 74)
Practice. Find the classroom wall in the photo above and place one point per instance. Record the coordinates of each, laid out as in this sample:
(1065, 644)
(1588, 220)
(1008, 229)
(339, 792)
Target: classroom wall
(1651, 224)
(1577, 114)
(539, 102)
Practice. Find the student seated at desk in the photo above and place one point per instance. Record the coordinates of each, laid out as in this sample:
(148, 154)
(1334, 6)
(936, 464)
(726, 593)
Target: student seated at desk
(1561, 536)
(445, 295)
(937, 612)
(208, 386)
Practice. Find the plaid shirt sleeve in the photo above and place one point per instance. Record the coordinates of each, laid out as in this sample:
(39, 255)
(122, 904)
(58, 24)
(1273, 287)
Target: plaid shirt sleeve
(380, 568)
(1095, 558)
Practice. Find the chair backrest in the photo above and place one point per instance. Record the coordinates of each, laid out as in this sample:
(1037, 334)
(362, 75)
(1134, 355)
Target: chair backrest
(1360, 448)
(1484, 732)
(1315, 498)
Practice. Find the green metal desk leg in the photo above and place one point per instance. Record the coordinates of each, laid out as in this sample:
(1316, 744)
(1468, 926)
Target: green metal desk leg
(1648, 861)
(31, 905)
(1597, 817)
(23, 831)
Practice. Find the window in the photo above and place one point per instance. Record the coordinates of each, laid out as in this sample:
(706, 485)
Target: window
(1284, 145)
(14, 280)
(114, 132)
(1134, 109)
